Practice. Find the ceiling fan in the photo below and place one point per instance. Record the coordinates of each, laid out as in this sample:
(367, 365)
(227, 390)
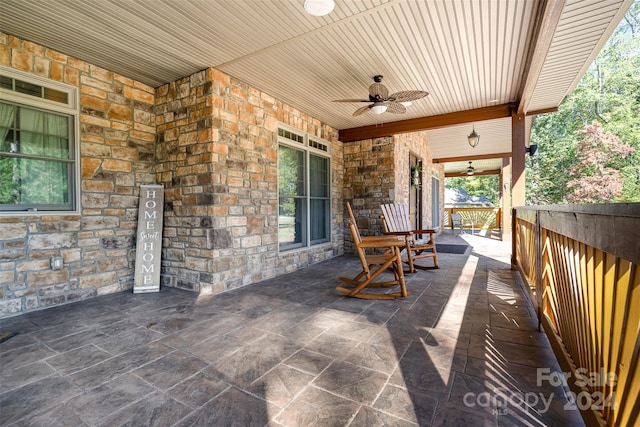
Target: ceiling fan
(469, 171)
(380, 100)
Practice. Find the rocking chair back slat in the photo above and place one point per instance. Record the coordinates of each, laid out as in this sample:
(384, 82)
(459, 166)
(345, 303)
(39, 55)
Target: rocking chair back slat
(396, 217)
(353, 226)
(396, 221)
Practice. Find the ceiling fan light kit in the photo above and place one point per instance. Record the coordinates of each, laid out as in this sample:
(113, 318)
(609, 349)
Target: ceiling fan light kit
(470, 169)
(474, 138)
(380, 101)
(319, 7)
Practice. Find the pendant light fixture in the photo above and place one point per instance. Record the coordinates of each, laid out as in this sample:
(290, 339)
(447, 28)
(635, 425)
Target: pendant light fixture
(473, 138)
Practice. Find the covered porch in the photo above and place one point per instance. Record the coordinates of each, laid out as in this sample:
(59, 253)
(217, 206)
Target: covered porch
(463, 349)
(174, 93)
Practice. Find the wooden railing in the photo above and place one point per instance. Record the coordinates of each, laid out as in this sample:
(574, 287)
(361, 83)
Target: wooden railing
(580, 263)
(475, 218)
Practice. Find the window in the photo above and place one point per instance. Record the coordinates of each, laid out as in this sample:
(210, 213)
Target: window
(435, 202)
(304, 208)
(38, 167)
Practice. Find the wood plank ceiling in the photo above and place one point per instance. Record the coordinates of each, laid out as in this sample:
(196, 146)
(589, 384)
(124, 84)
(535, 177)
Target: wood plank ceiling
(468, 54)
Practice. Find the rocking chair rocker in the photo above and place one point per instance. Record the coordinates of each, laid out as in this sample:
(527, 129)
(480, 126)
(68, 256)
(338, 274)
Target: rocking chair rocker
(374, 264)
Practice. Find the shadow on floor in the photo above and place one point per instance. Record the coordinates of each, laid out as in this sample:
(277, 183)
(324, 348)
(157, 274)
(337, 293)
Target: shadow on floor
(463, 349)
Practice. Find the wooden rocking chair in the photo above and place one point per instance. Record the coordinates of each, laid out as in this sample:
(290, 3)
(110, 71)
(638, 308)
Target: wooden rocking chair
(396, 222)
(374, 264)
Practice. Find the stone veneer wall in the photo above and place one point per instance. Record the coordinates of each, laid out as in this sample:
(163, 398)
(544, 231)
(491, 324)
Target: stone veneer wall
(216, 147)
(417, 144)
(368, 182)
(377, 171)
(217, 158)
(117, 129)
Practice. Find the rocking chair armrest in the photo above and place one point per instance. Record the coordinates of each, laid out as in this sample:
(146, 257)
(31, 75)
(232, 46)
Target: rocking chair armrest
(381, 243)
(425, 231)
(375, 238)
(399, 233)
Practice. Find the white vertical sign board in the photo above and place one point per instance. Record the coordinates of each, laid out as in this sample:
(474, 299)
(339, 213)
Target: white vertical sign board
(149, 243)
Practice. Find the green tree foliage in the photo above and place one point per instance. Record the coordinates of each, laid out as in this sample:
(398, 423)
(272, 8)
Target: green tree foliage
(290, 170)
(487, 185)
(609, 93)
(8, 194)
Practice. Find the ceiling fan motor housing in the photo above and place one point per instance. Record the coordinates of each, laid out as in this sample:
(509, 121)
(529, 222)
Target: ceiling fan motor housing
(381, 101)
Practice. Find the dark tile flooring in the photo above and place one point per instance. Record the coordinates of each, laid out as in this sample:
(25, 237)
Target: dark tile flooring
(462, 350)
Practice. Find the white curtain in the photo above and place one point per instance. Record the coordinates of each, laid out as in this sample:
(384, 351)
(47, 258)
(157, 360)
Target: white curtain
(31, 181)
(8, 165)
(47, 135)
(7, 116)
(44, 134)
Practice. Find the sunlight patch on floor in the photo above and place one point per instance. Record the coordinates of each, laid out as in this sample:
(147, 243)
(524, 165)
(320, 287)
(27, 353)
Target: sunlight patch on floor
(453, 313)
(500, 289)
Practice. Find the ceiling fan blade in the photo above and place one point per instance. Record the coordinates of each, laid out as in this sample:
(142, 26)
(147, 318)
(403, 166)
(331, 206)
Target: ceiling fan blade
(351, 100)
(469, 171)
(379, 95)
(408, 95)
(362, 110)
(395, 108)
(378, 90)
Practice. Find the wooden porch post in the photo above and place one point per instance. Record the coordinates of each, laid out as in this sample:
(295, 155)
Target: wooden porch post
(517, 160)
(505, 199)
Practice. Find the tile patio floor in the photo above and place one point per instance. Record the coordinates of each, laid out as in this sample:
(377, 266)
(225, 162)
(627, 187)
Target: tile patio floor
(461, 350)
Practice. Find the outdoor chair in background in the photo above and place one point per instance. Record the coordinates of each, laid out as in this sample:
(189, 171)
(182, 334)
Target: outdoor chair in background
(377, 254)
(396, 222)
(456, 222)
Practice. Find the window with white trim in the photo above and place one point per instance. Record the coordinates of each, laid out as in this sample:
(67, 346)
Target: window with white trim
(304, 189)
(38, 154)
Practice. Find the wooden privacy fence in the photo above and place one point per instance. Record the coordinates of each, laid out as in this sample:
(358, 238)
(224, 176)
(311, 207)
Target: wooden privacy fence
(580, 263)
(475, 218)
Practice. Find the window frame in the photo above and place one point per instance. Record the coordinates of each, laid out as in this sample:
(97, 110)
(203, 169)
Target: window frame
(70, 109)
(310, 146)
(436, 219)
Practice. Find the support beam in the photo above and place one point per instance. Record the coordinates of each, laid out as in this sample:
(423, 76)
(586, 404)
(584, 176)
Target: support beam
(543, 111)
(517, 160)
(467, 158)
(461, 175)
(425, 123)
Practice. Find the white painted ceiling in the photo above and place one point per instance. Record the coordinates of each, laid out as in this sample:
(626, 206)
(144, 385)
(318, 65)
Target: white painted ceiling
(459, 169)
(467, 54)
